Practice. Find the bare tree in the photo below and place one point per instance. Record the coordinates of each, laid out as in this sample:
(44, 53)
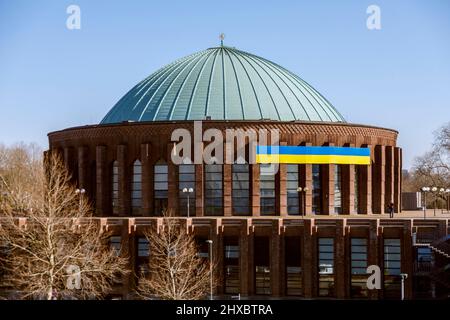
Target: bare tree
(433, 168)
(176, 271)
(52, 247)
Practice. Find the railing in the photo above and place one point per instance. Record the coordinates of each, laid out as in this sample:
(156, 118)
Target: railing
(423, 266)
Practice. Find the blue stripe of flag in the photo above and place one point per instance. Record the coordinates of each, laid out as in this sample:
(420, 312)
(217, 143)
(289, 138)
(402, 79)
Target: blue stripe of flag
(316, 150)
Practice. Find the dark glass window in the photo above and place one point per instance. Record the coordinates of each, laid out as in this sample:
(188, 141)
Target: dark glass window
(186, 179)
(293, 266)
(262, 265)
(136, 187)
(337, 188)
(161, 187)
(213, 190)
(231, 265)
(115, 243)
(115, 187)
(241, 190)
(316, 189)
(326, 267)
(143, 247)
(392, 268)
(359, 268)
(267, 191)
(293, 207)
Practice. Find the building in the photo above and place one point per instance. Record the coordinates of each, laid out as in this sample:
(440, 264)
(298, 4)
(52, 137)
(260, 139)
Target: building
(264, 244)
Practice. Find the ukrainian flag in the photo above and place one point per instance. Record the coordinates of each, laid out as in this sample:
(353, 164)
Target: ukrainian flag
(314, 155)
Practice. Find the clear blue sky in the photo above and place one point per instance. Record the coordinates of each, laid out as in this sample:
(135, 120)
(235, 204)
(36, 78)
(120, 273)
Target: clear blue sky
(398, 77)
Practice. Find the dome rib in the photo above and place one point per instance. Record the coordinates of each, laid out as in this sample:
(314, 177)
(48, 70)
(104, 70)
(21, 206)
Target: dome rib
(251, 83)
(225, 84)
(238, 84)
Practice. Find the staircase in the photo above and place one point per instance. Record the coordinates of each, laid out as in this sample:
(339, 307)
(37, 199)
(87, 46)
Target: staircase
(441, 246)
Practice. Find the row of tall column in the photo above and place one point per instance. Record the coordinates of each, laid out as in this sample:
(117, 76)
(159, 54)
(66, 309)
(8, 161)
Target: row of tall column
(379, 184)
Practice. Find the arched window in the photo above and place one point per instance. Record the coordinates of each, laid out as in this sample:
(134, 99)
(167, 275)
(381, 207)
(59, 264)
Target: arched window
(161, 187)
(241, 190)
(136, 187)
(186, 181)
(213, 190)
(115, 188)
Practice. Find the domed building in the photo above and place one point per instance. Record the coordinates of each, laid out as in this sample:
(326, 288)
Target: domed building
(310, 230)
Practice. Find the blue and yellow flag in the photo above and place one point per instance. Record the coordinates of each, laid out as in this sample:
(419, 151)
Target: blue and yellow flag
(314, 155)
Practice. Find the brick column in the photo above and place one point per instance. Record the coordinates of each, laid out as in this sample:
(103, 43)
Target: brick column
(125, 251)
(378, 180)
(276, 268)
(227, 190)
(373, 256)
(327, 181)
(365, 186)
(103, 194)
(217, 237)
(348, 187)
(255, 190)
(389, 177)
(199, 204)
(147, 180)
(308, 254)
(172, 199)
(397, 179)
(124, 182)
(305, 180)
(244, 257)
(407, 257)
(340, 256)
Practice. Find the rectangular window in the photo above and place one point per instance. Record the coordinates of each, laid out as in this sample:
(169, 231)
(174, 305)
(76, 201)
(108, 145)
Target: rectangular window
(358, 267)
(267, 191)
(262, 265)
(136, 187)
(241, 189)
(186, 181)
(392, 268)
(231, 265)
(326, 267)
(293, 204)
(316, 189)
(143, 247)
(337, 189)
(115, 243)
(161, 187)
(213, 190)
(294, 277)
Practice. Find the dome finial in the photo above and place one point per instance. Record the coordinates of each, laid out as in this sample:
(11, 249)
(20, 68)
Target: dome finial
(221, 37)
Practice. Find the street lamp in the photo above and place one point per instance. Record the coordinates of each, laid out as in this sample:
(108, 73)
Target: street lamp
(404, 277)
(447, 193)
(303, 192)
(210, 242)
(80, 192)
(188, 191)
(425, 190)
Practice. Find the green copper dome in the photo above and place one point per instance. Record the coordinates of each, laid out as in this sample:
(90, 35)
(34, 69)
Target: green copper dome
(224, 84)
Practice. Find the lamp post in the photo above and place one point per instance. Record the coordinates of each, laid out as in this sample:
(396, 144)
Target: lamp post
(404, 277)
(210, 242)
(80, 192)
(188, 191)
(434, 190)
(425, 190)
(303, 192)
(447, 193)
